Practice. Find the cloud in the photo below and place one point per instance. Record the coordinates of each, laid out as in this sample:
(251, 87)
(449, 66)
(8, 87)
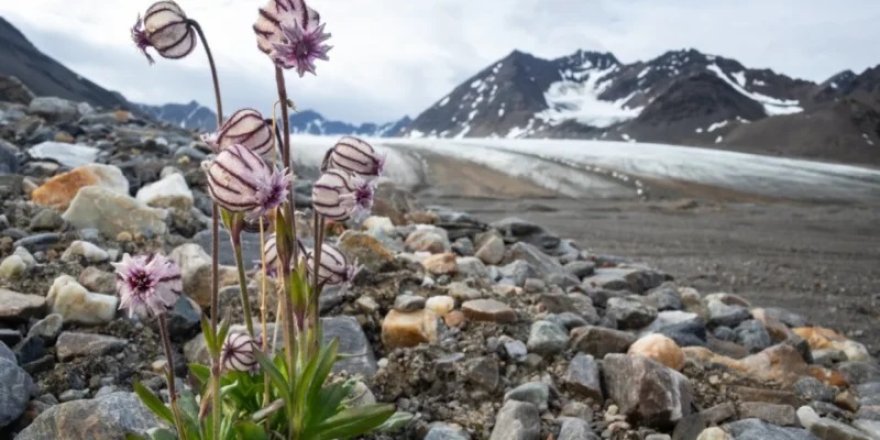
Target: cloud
(398, 57)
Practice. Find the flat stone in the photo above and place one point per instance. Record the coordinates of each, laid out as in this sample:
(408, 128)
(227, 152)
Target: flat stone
(646, 391)
(635, 279)
(726, 315)
(428, 239)
(777, 414)
(84, 250)
(76, 304)
(599, 341)
(47, 328)
(169, 192)
(112, 213)
(483, 372)
(16, 387)
(488, 310)
(471, 267)
(446, 431)
(38, 242)
(409, 329)
(630, 312)
(755, 429)
(353, 345)
(543, 264)
(71, 155)
(517, 421)
(440, 264)
(16, 306)
(547, 338)
(576, 429)
(111, 416)
(60, 190)
(409, 303)
(76, 344)
(718, 413)
(536, 393)
(582, 377)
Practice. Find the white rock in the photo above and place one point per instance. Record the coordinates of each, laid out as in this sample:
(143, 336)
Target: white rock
(440, 305)
(112, 213)
(76, 304)
(25, 256)
(71, 155)
(807, 416)
(376, 223)
(169, 192)
(12, 267)
(84, 249)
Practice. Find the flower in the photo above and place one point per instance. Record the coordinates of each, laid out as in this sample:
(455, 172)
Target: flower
(334, 268)
(339, 195)
(246, 127)
(165, 28)
(355, 156)
(291, 34)
(238, 353)
(240, 181)
(148, 285)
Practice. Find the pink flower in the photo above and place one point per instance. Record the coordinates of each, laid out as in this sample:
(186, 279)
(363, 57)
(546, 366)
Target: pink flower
(292, 35)
(339, 195)
(355, 156)
(246, 127)
(237, 353)
(240, 181)
(148, 285)
(165, 28)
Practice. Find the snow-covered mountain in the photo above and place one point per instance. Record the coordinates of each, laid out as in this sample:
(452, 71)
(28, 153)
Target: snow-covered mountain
(191, 116)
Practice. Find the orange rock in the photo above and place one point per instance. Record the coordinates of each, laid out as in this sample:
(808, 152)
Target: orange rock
(408, 329)
(821, 338)
(60, 190)
(63, 136)
(440, 264)
(122, 116)
(422, 217)
(454, 319)
(659, 348)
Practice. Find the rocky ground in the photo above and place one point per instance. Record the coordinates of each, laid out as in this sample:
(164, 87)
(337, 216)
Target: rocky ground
(498, 330)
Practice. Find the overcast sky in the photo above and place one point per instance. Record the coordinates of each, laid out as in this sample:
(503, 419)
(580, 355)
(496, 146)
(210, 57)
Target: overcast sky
(396, 57)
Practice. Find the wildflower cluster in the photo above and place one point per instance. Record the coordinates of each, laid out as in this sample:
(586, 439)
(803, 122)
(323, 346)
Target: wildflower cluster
(253, 387)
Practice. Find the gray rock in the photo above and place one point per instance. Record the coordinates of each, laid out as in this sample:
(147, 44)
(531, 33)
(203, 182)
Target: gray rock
(809, 388)
(446, 431)
(472, 267)
(516, 229)
(515, 350)
(16, 388)
(752, 335)
(544, 265)
(184, 319)
(16, 306)
(483, 372)
(636, 279)
(46, 220)
(250, 246)
(755, 429)
(580, 269)
(54, 109)
(38, 242)
(870, 427)
(547, 338)
(69, 155)
(489, 247)
(353, 344)
(13, 90)
(575, 429)
(718, 413)
(630, 312)
(517, 421)
(409, 303)
(9, 164)
(829, 429)
(534, 285)
(536, 393)
(572, 302)
(646, 391)
(859, 372)
(726, 315)
(464, 247)
(6, 353)
(583, 378)
(665, 297)
(777, 414)
(70, 395)
(109, 417)
(599, 341)
(517, 272)
(76, 344)
(47, 328)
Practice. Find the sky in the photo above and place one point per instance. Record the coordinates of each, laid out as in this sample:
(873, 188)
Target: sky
(398, 57)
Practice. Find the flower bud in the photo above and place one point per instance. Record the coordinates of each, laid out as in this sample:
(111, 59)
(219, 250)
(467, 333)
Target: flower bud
(334, 268)
(292, 35)
(245, 127)
(355, 156)
(165, 28)
(238, 353)
(338, 195)
(240, 181)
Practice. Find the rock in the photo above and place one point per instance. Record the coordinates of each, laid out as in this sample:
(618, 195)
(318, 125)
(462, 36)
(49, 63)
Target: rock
(60, 190)
(12, 267)
(464, 247)
(752, 335)
(636, 279)
(810, 388)
(16, 306)
(777, 414)
(110, 417)
(38, 242)
(462, 292)
(517, 421)
(86, 251)
(195, 269)
(599, 341)
(489, 247)
(488, 310)
(870, 427)
(6, 353)
(54, 109)
(646, 391)
(409, 303)
(96, 280)
(536, 393)
(75, 344)
(713, 433)
(77, 305)
(483, 372)
(726, 315)
(577, 303)
(184, 318)
(829, 429)
(13, 90)
(685, 328)
(516, 273)
(659, 348)
(582, 378)
(70, 155)
(858, 372)
(441, 305)
(409, 329)
(46, 220)
(47, 328)
(547, 338)
(112, 213)
(471, 267)
(16, 387)
(446, 431)
(665, 297)
(544, 265)
(440, 264)
(820, 338)
(358, 357)
(580, 269)
(575, 429)
(755, 429)
(718, 413)
(630, 312)
(70, 395)
(169, 192)
(428, 239)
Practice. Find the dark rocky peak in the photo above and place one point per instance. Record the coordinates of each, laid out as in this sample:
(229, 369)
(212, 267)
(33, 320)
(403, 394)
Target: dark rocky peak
(584, 59)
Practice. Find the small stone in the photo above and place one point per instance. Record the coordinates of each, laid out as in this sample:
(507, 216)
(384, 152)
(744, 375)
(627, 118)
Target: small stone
(659, 348)
(516, 273)
(599, 341)
(367, 304)
(752, 335)
(483, 372)
(820, 338)
(630, 312)
(60, 190)
(489, 247)
(543, 264)
(75, 344)
(847, 401)
(718, 413)
(112, 213)
(463, 292)
(38, 242)
(648, 392)
(580, 269)
(726, 315)
(409, 303)
(756, 429)
(464, 247)
(713, 433)
(441, 305)
(517, 421)
(515, 350)
(16, 387)
(409, 329)
(46, 220)
(183, 318)
(76, 304)
(547, 338)
(454, 319)
(96, 280)
(446, 431)
(16, 306)
(582, 378)
(12, 267)
(576, 429)
(169, 192)
(777, 414)
(47, 328)
(488, 310)
(365, 249)
(440, 264)
(535, 285)
(428, 239)
(356, 354)
(54, 109)
(471, 267)
(536, 393)
(84, 250)
(70, 395)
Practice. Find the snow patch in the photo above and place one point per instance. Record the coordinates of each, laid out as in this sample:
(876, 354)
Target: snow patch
(716, 126)
(579, 100)
(443, 102)
(773, 106)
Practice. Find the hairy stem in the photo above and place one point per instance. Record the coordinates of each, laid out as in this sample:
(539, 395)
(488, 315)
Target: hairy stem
(264, 331)
(235, 236)
(285, 155)
(314, 306)
(169, 376)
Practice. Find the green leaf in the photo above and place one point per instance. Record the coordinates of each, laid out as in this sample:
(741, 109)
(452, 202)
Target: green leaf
(327, 357)
(134, 437)
(396, 422)
(201, 372)
(354, 421)
(163, 434)
(275, 376)
(153, 402)
(250, 431)
(222, 332)
(210, 340)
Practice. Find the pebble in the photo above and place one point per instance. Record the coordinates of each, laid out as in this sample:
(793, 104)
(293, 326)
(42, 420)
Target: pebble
(446, 431)
(76, 344)
(599, 341)
(489, 310)
(582, 377)
(365, 249)
(547, 338)
(536, 393)
(441, 304)
(77, 305)
(517, 421)
(16, 306)
(84, 250)
(12, 267)
(409, 329)
(659, 348)
(409, 303)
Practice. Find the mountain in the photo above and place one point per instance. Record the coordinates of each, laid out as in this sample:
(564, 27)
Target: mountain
(191, 116)
(682, 97)
(46, 77)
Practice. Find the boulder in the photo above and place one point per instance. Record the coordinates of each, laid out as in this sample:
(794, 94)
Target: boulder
(111, 416)
(646, 391)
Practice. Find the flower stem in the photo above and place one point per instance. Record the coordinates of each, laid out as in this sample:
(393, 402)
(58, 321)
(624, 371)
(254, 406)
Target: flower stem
(169, 376)
(264, 331)
(235, 236)
(314, 306)
(215, 248)
(285, 154)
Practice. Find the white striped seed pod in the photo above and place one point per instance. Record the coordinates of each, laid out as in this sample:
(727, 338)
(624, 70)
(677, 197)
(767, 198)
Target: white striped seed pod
(334, 268)
(240, 181)
(245, 127)
(339, 195)
(355, 156)
(238, 353)
(165, 28)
